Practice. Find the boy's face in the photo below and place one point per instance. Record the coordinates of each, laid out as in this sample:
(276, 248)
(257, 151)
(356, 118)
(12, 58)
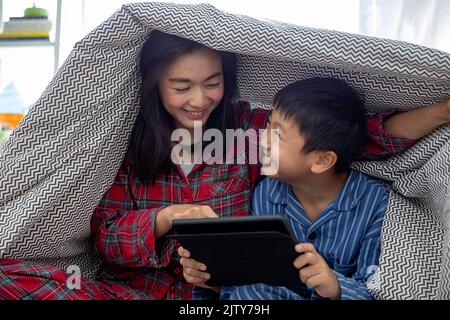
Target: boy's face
(292, 163)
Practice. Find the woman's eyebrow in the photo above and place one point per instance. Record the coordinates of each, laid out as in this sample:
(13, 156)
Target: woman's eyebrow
(179, 80)
(184, 80)
(213, 76)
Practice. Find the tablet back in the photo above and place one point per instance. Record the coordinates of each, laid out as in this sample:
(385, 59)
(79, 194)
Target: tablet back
(242, 250)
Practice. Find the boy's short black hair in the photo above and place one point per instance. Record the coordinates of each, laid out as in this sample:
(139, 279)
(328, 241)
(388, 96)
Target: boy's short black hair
(329, 113)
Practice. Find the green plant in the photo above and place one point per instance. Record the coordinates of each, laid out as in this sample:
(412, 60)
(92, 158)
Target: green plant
(34, 11)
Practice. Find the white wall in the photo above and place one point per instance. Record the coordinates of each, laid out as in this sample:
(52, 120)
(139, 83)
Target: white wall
(418, 21)
(340, 15)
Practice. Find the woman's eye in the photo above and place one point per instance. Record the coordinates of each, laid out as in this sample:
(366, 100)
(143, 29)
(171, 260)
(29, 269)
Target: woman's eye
(181, 89)
(213, 85)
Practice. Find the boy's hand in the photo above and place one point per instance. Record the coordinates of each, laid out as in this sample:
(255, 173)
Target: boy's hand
(193, 271)
(315, 273)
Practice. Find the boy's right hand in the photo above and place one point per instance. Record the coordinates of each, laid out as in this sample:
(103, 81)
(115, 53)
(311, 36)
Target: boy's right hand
(166, 216)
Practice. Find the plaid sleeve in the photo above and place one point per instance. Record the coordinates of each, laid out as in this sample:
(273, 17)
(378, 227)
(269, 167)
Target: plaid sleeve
(256, 119)
(248, 118)
(123, 235)
(379, 143)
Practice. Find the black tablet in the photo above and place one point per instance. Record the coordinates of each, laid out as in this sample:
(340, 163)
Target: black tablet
(241, 250)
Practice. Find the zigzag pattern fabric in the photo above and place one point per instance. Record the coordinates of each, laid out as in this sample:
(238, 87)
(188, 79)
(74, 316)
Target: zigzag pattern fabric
(64, 155)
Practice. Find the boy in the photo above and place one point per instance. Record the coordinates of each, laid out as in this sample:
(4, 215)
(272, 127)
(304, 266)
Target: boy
(336, 212)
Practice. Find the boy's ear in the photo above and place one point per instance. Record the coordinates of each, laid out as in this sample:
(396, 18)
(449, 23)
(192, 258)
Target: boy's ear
(324, 161)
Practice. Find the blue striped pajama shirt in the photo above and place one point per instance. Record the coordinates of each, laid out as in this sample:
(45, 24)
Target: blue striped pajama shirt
(346, 234)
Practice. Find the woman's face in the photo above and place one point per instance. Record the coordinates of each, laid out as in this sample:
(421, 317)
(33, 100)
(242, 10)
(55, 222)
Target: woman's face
(192, 87)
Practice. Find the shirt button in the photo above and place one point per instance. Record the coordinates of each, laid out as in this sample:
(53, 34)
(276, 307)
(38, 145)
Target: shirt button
(312, 236)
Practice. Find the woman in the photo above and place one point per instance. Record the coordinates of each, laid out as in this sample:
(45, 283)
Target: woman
(182, 82)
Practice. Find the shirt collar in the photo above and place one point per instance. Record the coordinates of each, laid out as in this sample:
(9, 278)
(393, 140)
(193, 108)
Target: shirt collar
(346, 200)
(353, 190)
(280, 192)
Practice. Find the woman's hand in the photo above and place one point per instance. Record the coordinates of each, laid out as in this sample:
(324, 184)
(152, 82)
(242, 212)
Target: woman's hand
(180, 211)
(194, 271)
(420, 122)
(442, 111)
(446, 111)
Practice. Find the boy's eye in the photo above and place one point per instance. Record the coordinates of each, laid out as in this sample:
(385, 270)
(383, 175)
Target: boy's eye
(274, 132)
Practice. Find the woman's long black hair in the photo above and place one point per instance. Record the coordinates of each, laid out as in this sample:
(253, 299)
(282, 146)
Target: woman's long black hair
(150, 143)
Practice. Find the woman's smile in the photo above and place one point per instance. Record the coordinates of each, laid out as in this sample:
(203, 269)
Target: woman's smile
(196, 115)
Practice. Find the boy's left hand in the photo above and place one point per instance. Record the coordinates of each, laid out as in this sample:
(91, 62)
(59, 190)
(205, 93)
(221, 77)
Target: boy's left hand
(315, 273)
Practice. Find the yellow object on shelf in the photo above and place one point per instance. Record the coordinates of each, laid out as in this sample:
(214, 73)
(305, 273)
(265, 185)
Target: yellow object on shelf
(15, 35)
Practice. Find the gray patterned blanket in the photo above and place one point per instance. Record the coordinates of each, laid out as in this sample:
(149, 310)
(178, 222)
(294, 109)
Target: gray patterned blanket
(60, 160)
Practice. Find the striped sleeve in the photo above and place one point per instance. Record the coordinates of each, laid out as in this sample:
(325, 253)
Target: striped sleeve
(355, 287)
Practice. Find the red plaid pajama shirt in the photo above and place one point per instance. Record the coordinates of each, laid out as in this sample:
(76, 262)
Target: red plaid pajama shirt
(135, 264)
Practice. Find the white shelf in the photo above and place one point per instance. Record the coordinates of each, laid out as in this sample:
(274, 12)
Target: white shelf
(38, 43)
(26, 43)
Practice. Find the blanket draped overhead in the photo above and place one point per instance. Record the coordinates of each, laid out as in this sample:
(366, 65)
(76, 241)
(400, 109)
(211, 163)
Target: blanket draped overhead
(64, 155)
